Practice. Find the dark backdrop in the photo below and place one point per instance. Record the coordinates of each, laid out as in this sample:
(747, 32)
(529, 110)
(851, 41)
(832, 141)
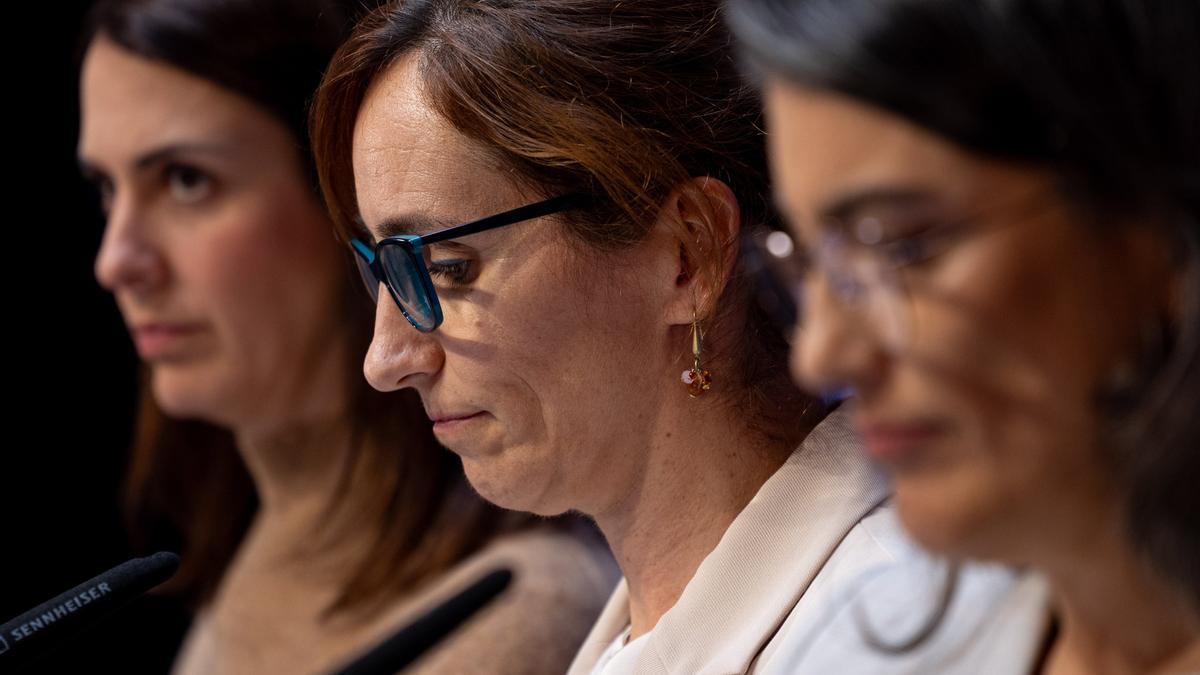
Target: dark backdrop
(71, 366)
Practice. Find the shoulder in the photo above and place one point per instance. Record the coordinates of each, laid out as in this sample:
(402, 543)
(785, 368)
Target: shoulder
(561, 580)
(554, 566)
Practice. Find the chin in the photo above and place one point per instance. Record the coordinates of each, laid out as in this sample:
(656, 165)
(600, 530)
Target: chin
(511, 488)
(950, 515)
(182, 395)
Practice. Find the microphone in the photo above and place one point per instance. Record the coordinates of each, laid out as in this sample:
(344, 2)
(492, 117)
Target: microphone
(32, 633)
(409, 643)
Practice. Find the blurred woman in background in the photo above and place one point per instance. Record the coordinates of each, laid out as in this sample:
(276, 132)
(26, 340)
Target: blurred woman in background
(995, 216)
(312, 513)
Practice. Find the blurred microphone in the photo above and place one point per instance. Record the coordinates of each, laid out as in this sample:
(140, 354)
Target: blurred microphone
(410, 642)
(52, 622)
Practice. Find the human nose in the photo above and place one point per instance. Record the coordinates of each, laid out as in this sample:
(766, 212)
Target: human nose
(400, 356)
(833, 348)
(127, 258)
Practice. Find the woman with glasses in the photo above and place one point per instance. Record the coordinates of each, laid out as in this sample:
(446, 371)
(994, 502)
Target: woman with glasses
(994, 212)
(546, 197)
(315, 515)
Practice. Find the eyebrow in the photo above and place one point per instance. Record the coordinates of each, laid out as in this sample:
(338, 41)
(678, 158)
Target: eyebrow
(849, 205)
(434, 230)
(410, 223)
(159, 155)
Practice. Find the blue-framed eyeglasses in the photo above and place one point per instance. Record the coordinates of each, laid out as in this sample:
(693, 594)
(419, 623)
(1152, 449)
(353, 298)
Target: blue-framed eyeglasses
(401, 262)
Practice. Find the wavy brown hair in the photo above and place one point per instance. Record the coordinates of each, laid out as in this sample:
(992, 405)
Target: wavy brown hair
(622, 101)
(187, 488)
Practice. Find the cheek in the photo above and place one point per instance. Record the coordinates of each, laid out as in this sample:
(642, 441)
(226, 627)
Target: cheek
(575, 346)
(270, 278)
(1015, 333)
(1011, 358)
(243, 275)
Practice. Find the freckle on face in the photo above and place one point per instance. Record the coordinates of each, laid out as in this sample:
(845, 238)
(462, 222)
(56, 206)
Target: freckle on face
(565, 357)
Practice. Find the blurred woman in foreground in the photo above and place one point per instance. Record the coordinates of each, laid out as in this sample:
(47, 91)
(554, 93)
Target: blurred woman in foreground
(995, 210)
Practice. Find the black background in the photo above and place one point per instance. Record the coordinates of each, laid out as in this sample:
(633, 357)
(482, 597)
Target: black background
(71, 366)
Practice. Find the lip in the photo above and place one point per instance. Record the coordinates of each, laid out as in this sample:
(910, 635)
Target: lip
(452, 418)
(898, 441)
(446, 425)
(156, 340)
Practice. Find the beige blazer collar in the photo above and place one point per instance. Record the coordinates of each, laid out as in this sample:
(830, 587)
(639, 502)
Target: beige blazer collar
(746, 587)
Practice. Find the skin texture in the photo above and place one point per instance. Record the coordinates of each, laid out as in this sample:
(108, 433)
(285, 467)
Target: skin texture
(976, 371)
(219, 232)
(555, 375)
(249, 257)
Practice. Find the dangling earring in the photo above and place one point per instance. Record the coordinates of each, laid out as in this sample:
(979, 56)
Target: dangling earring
(697, 379)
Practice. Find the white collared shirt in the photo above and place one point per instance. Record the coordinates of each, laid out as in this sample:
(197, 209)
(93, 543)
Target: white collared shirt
(622, 655)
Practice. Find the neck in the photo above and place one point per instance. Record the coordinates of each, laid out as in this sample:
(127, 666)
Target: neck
(308, 533)
(304, 530)
(699, 471)
(1115, 617)
(296, 441)
(295, 469)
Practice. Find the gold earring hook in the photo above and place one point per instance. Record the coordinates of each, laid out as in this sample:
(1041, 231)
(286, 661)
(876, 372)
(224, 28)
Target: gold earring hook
(697, 379)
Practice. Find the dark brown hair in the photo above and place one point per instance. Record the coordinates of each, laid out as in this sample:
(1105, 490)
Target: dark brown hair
(187, 488)
(1104, 94)
(622, 101)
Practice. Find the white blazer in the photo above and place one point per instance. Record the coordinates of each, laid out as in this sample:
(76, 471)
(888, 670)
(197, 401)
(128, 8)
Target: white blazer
(814, 561)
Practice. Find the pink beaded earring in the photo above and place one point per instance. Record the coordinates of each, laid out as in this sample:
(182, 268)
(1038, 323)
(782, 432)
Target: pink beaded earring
(696, 379)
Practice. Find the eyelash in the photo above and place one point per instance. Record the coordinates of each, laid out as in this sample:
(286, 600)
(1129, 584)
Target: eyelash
(907, 252)
(456, 272)
(176, 171)
(912, 250)
(924, 246)
(170, 172)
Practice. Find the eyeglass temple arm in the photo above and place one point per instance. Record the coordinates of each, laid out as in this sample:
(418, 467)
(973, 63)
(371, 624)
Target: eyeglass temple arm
(528, 212)
(363, 249)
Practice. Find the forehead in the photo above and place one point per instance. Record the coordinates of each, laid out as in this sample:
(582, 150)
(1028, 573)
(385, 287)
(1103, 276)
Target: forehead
(823, 144)
(407, 159)
(130, 103)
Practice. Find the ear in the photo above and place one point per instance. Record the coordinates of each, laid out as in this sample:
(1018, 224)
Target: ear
(706, 219)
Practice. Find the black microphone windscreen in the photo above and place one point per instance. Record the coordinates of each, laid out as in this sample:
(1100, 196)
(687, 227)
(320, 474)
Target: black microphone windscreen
(412, 641)
(34, 632)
